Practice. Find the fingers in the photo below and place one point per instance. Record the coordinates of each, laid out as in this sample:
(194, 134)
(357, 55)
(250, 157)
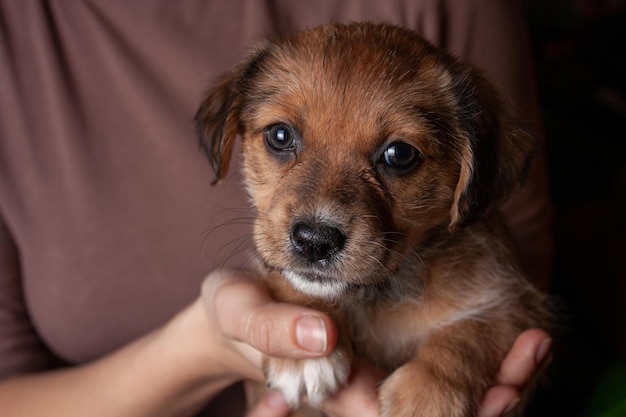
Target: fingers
(498, 401)
(272, 405)
(529, 353)
(523, 361)
(245, 312)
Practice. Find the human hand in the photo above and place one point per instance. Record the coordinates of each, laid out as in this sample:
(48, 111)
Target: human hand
(360, 397)
(529, 354)
(249, 323)
(246, 323)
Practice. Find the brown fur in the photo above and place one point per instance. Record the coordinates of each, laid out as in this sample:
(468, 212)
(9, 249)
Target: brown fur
(433, 291)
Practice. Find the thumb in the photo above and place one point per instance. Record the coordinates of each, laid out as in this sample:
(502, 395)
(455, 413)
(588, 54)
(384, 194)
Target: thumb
(245, 311)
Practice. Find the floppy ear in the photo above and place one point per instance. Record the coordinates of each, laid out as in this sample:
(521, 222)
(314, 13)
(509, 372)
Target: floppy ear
(495, 153)
(218, 120)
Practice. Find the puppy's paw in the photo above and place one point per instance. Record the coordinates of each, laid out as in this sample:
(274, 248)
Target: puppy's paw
(412, 391)
(315, 378)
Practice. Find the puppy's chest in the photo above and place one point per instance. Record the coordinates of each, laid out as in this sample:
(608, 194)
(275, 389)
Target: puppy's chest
(389, 336)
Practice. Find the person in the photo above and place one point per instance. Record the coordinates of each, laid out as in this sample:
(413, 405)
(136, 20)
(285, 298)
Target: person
(109, 224)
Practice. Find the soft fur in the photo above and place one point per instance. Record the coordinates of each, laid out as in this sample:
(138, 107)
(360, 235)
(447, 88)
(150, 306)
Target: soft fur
(406, 251)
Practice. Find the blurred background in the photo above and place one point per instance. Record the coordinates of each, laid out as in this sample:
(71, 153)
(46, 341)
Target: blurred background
(580, 52)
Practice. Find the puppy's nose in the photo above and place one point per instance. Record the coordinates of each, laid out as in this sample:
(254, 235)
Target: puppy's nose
(317, 242)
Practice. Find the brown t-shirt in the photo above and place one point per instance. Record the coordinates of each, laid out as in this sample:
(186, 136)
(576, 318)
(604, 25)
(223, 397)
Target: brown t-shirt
(108, 222)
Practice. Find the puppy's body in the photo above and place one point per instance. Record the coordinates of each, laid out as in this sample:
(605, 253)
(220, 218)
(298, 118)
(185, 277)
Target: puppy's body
(376, 163)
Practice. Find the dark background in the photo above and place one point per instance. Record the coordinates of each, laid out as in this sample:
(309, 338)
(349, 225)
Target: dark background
(580, 53)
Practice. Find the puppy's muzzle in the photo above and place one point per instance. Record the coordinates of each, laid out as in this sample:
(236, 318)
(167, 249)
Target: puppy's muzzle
(317, 243)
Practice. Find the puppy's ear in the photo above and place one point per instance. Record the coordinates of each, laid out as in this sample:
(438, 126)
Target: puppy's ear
(495, 153)
(218, 120)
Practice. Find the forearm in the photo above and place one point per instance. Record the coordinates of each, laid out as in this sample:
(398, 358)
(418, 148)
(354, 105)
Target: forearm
(165, 373)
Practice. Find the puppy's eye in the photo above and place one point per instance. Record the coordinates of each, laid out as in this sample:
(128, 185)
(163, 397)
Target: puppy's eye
(280, 137)
(401, 157)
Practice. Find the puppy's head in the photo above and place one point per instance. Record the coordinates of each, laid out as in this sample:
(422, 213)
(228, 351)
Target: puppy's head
(361, 143)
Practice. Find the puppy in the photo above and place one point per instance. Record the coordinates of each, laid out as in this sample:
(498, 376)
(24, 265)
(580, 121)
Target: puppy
(376, 164)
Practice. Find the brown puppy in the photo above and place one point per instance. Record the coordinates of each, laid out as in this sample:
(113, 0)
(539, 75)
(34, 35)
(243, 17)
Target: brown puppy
(376, 163)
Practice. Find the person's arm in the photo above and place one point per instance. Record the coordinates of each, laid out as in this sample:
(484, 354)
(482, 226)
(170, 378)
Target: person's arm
(216, 341)
(176, 369)
(151, 377)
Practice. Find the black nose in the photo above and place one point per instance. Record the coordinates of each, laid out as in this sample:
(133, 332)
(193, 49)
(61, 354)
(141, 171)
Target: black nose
(316, 242)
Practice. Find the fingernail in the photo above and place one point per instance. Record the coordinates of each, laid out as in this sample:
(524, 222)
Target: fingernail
(276, 401)
(311, 334)
(511, 406)
(544, 347)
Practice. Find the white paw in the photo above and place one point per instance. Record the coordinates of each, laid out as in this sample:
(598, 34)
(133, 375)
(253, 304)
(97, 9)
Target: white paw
(323, 377)
(315, 378)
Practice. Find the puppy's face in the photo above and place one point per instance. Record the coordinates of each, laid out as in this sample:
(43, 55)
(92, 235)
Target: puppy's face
(361, 144)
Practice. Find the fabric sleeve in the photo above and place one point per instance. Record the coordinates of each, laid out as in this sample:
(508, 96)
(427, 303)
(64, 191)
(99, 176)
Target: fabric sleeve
(21, 349)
